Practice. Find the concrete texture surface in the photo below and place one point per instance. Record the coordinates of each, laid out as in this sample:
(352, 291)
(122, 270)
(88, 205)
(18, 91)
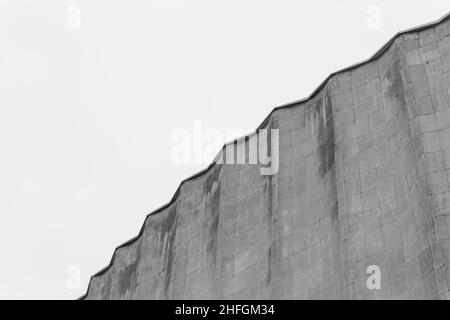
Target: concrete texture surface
(363, 180)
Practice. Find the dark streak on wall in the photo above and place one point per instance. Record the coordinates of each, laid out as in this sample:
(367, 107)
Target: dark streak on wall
(269, 192)
(325, 133)
(106, 289)
(167, 241)
(396, 87)
(212, 190)
(128, 276)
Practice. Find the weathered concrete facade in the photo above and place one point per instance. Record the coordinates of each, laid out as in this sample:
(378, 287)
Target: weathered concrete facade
(363, 180)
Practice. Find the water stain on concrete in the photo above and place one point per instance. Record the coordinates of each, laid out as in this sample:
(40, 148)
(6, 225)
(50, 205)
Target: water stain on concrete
(269, 263)
(128, 276)
(167, 239)
(212, 190)
(106, 289)
(396, 87)
(268, 190)
(325, 133)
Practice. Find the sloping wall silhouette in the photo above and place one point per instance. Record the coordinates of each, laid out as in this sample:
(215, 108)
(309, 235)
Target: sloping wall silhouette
(362, 180)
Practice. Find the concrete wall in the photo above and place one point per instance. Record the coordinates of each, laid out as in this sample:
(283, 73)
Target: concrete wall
(362, 180)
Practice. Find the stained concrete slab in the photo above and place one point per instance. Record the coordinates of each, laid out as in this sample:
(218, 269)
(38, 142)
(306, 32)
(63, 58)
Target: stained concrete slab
(363, 180)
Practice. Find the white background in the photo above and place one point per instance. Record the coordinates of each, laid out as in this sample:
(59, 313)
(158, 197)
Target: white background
(87, 114)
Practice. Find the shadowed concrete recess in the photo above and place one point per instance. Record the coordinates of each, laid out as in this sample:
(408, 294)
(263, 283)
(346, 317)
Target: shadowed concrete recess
(363, 180)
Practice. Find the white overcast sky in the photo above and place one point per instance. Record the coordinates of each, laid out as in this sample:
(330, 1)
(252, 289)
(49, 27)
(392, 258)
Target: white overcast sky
(87, 114)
